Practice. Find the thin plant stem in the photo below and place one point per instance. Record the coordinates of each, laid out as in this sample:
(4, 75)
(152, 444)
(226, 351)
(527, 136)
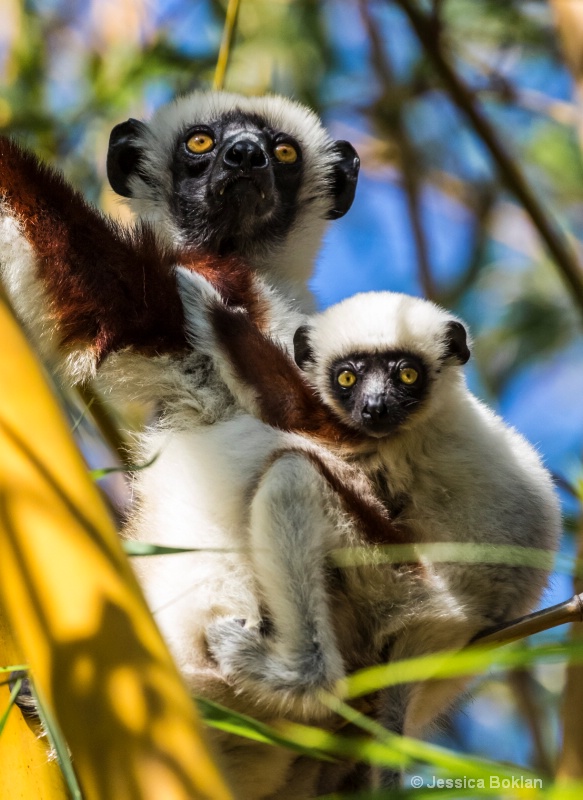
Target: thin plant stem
(226, 44)
(510, 174)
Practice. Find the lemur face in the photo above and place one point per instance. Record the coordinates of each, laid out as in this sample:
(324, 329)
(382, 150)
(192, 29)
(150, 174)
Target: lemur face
(233, 172)
(377, 392)
(382, 361)
(243, 174)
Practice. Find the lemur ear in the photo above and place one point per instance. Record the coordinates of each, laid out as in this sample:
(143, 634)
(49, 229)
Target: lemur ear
(302, 349)
(344, 180)
(123, 155)
(456, 343)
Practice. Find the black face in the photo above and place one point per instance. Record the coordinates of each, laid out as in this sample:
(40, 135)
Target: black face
(235, 181)
(378, 392)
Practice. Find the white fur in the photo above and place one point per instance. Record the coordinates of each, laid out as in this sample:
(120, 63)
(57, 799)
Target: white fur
(376, 321)
(197, 494)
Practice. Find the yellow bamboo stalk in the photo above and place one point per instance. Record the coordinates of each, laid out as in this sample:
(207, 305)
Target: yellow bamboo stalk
(568, 16)
(76, 612)
(25, 768)
(569, 21)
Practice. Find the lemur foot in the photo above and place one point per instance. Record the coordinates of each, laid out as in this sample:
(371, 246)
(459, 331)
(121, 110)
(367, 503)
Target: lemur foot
(249, 654)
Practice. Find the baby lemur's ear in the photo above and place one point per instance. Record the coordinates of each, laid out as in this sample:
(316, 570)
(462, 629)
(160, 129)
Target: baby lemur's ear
(303, 352)
(456, 343)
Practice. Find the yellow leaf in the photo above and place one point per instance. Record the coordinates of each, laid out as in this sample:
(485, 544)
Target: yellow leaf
(75, 609)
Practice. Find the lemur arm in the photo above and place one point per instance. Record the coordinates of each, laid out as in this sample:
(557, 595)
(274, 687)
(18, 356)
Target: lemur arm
(270, 386)
(285, 398)
(255, 367)
(83, 285)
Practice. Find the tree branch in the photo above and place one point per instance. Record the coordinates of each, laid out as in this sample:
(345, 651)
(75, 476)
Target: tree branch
(482, 211)
(407, 156)
(524, 688)
(569, 611)
(510, 174)
(570, 760)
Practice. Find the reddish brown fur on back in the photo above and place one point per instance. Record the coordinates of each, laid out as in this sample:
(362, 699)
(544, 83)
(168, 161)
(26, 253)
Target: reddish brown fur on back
(285, 399)
(107, 287)
(234, 281)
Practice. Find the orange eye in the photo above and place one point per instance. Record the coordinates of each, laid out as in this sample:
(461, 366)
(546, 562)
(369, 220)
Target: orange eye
(200, 143)
(286, 153)
(346, 379)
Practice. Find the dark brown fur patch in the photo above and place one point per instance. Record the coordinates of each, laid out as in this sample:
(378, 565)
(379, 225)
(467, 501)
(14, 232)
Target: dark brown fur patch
(285, 399)
(107, 287)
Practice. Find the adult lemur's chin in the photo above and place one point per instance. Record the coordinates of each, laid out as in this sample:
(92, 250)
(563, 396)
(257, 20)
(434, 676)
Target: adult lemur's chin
(258, 177)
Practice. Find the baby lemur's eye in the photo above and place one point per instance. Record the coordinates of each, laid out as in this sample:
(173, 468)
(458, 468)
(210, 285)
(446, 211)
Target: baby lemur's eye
(408, 375)
(200, 143)
(346, 379)
(286, 153)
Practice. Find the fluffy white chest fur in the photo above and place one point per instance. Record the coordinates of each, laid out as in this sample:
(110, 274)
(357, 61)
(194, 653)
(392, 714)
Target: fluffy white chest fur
(196, 495)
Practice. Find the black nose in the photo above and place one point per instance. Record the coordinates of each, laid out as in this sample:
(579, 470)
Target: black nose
(374, 409)
(245, 155)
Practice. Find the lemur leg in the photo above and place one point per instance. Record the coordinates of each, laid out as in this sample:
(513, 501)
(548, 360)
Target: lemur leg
(290, 533)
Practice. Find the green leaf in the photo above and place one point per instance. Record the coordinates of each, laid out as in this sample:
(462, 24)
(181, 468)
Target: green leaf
(409, 748)
(469, 661)
(96, 474)
(454, 552)
(59, 745)
(225, 719)
(11, 701)
(133, 548)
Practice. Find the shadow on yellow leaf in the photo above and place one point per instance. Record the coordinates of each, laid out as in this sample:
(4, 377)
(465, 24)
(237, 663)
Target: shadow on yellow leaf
(75, 610)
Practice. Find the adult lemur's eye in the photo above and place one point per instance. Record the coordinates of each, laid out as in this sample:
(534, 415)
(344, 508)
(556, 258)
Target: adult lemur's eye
(408, 375)
(200, 143)
(346, 379)
(286, 153)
